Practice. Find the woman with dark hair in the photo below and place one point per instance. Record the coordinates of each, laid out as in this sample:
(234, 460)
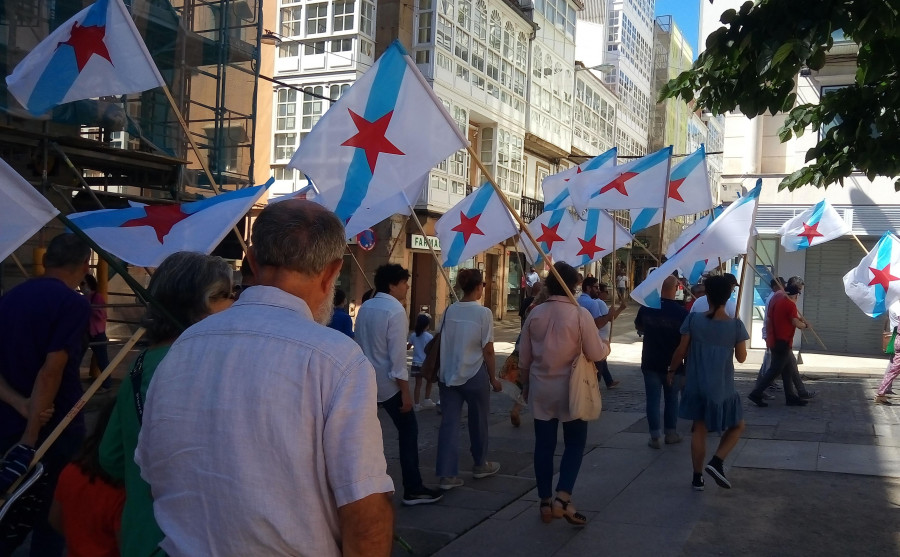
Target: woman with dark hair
(466, 375)
(87, 504)
(711, 342)
(190, 286)
(554, 334)
(417, 340)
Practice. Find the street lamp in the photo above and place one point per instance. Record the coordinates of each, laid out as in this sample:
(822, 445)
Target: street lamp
(270, 38)
(599, 67)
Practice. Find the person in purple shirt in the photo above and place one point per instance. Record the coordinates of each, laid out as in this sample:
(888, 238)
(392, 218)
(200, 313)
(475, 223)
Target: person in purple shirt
(340, 319)
(43, 329)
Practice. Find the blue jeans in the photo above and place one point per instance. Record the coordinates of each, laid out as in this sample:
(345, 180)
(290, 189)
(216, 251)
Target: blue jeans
(476, 393)
(653, 383)
(603, 373)
(575, 437)
(408, 434)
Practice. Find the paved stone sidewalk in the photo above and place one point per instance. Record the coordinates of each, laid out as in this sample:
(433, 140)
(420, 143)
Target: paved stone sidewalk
(823, 479)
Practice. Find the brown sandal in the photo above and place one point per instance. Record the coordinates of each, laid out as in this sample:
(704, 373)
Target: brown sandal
(546, 512)
(571, 515)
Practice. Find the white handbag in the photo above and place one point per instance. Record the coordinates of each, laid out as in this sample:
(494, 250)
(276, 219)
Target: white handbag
(584, 388)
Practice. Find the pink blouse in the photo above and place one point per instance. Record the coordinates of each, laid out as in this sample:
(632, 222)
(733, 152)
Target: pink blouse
(551, 338)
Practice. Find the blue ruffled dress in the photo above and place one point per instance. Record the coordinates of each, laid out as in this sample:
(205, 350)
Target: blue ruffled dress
(709, 393)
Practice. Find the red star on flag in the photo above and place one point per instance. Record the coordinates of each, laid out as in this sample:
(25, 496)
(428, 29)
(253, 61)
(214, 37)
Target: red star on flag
(619, 183)
(467, 226)
(882, 277)
(810, 232)
(370, 137)
(577, 171)
(161, 218)
(86, 42)
(589, 247)
(673, 189)
(549, 235)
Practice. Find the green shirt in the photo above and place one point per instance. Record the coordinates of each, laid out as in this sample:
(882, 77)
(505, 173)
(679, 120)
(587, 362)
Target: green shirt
(140, 533)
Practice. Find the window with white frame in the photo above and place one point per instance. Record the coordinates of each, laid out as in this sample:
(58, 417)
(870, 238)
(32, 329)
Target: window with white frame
(285, 145)
(335, 91)
(284, 174)
(367, 18)
(288, 50)
(317, 47)
(479, 21)
(342, 45)
(464, 14)
(286, 110)
(291, 21)
(496, 32)
(342, 18)
(313, 108)
(317, 18)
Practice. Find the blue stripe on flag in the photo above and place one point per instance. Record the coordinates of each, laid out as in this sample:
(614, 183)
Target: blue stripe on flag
(600, 160)
(653, 299)
(386, 86)
(479, 202)
(196, 206)
(109, 218)
(590, 226)
(653, 159)
(62, 70)
(688, 164)
(643, 219)
(697, 271)
(818, 210)
(882, 259)
(557, 201)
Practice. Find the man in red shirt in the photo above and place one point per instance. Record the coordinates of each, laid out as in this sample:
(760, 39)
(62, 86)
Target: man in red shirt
(781, 322)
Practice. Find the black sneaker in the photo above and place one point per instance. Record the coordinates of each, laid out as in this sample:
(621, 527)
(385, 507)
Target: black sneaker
(422, 496)
(757, 400)
(796, 402)
(808, 395)
(718, 475)
(697, 483)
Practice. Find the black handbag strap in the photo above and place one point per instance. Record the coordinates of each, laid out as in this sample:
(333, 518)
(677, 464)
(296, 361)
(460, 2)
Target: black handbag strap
(137, 376)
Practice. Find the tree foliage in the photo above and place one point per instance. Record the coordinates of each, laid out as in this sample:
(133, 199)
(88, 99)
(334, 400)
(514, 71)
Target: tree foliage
(751, 64)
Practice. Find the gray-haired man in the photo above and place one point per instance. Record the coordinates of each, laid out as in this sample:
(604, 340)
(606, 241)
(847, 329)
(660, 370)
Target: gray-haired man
(260, 432)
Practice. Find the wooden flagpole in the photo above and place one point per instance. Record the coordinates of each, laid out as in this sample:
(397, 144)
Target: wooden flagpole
(662, 223)
(19, 264)
(414, 216)
(855, 237)
(741, 284)
(361, 270)
(67, 419)
(515, 214)
(209, 176)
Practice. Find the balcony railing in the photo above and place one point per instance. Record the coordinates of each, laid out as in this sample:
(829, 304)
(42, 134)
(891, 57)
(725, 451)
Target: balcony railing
(531, 208)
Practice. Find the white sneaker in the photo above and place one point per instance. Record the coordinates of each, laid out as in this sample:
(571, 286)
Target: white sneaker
(488, 469)
(428, 404)
(417, 407)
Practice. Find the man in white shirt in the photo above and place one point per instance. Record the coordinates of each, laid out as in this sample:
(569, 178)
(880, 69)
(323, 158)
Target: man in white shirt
(531, 278)
(260, 432)
(701, 304)
(382, 328)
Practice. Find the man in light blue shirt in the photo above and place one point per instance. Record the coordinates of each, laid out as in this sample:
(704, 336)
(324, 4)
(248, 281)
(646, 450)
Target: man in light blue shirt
(591, 291)
(382, 328)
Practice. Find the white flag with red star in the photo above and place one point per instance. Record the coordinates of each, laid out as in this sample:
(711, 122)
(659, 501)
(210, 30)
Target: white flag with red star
(576, 241)
(635, 184)
(812, 227)
(875, 283)
(476, 223)
(368, 153)
(689, 192)
(97, 52)
(23, 210)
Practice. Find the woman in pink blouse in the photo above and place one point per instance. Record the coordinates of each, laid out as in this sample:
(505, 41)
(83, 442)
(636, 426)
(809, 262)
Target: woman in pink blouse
(552, 337)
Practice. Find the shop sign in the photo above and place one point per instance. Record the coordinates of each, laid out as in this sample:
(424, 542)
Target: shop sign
(417, 241)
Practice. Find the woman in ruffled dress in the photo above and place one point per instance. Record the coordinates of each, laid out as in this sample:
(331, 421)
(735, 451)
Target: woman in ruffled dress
(711, 342)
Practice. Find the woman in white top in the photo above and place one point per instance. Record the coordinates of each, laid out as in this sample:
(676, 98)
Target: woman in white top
(552, 337)
(466, 375)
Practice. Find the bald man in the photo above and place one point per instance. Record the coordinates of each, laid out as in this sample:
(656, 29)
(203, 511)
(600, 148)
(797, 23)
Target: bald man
(661, 330)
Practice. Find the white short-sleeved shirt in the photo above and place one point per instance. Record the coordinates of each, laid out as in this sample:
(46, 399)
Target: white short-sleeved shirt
(259, 424)
(418, 346)
(621, 281)
(894, 313)
(701, 305)
(468, 327)
(381, 331)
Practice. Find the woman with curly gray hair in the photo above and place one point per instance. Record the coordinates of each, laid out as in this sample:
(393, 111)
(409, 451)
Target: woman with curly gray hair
(190, 286)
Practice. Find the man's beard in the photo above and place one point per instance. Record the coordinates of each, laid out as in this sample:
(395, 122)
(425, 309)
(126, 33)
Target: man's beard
(326, 310)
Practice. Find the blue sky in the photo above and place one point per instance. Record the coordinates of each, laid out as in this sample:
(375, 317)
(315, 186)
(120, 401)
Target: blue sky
(686, 14)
